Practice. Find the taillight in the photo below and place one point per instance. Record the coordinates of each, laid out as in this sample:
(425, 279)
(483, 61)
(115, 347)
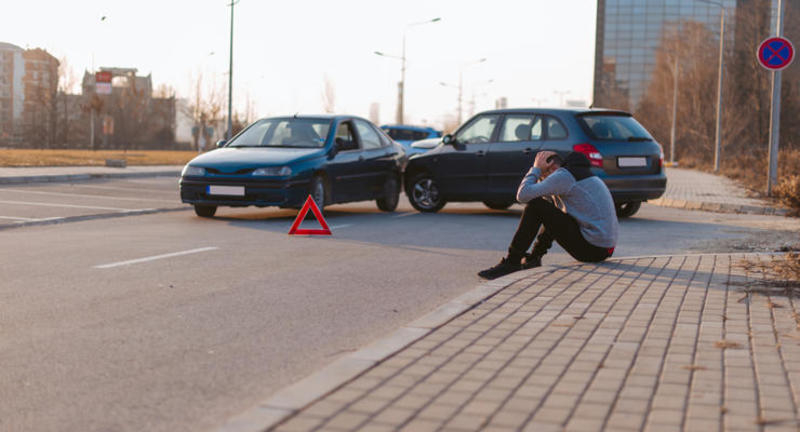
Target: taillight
(595, 158)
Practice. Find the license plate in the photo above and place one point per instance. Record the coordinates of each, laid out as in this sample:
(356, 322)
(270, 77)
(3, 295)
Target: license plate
(627, 162)
(225, 190)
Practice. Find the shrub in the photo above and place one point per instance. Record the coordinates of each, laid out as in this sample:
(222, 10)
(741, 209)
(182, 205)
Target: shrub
(788, 192)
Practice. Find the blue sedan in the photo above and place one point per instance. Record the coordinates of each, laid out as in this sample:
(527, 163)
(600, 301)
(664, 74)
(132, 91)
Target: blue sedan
(407, 135)
(280, 161)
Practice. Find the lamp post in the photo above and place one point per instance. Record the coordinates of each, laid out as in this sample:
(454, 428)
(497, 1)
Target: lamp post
(460, 86)
(230, 78)
(674, 112)
(718, 145)
(402, 84)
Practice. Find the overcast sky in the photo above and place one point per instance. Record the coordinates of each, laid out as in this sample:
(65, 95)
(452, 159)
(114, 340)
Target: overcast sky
(283, 50)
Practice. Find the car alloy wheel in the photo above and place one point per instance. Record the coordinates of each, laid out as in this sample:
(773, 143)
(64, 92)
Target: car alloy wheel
(425, 194)
(318, 191)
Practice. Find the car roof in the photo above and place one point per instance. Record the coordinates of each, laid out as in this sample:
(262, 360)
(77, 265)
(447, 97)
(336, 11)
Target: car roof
(409, 127)
(316, 116)
(575, 111)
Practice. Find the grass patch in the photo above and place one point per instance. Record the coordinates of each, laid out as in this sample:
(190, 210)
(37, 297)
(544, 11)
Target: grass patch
(38, 158)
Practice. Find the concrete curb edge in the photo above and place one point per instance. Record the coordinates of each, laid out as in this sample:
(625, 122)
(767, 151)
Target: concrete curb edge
(719, 207)
(289, 400)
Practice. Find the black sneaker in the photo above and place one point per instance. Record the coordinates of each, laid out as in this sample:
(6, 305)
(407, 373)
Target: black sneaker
(531, 261)
(505, 267)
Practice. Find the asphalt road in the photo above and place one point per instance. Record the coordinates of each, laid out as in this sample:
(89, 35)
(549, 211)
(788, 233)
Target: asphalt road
(170, 322)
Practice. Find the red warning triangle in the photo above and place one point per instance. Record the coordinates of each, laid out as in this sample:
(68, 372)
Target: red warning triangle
(295, 229)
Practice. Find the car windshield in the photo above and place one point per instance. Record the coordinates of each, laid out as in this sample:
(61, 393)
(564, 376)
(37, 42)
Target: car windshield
(282, 132)
(614, 127)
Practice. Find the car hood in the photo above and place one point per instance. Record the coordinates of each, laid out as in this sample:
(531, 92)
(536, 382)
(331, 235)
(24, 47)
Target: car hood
(236, 158)
(427, 143)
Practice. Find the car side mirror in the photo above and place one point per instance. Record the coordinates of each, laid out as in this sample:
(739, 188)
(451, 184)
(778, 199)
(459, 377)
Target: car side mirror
(221, 143)
(449, 139)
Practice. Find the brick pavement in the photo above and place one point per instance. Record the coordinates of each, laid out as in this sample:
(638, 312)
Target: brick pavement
(655, 343)
(697, 190)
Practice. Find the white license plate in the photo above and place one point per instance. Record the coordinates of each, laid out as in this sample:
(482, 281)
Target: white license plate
(225, 190)
(626, 162)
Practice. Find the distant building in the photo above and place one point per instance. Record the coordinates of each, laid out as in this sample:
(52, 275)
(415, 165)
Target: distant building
(501, 103)
(28, 87)
(375, 113)
(576, 103)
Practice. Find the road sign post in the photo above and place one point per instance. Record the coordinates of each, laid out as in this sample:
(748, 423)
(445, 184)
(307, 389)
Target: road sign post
(775, 54)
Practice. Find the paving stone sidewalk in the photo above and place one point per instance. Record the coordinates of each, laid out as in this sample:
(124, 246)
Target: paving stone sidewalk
(697, 190)
(654, 343)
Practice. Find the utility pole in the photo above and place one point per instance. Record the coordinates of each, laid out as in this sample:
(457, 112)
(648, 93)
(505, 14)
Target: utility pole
(674, 112)
(230, 79)
(718, 146)
(775, 114)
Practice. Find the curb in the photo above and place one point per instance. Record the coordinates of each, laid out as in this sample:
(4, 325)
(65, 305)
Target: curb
(78, 177)
(294, 398)
(58, 220)
(719, 207)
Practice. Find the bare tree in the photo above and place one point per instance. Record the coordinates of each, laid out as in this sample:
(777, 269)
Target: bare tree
(205, 108)
(329, 96)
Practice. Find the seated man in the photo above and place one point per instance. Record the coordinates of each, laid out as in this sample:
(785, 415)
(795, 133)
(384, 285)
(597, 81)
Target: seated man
(584, 223)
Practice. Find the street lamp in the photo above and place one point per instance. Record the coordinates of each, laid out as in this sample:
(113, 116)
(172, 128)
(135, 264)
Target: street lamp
(402, 84)
(461, 84)
(230, 78)
(717, 148)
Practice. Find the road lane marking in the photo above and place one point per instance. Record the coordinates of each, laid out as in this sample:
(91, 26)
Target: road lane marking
(129, 189)
(30, 203)
(405, 214)
(155, 257)
(340, 226)
(83, 195)
(17, 218)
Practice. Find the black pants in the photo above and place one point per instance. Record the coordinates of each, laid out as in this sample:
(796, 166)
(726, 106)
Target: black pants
(558, 226)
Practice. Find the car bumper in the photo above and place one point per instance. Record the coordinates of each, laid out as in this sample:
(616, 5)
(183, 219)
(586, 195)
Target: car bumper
(636, 188)
(265, 193)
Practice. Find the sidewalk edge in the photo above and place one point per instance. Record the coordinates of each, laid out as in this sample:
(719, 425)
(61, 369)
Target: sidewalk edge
(88, 176)
(719, 207)
(289, 400)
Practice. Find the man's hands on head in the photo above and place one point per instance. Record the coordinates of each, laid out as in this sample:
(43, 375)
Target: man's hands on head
(541, 162)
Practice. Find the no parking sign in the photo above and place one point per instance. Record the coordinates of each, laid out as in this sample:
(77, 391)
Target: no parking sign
(775, 53)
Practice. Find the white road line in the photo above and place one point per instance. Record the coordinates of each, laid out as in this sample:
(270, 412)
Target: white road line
(405, 214)
(155, 257)
(129, 189)
(29, 203)
(84, 195)
(17, 218)
(340, 226)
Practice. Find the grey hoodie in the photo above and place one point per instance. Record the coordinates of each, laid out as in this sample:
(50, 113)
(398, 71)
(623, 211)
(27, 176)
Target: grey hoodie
(587, 200)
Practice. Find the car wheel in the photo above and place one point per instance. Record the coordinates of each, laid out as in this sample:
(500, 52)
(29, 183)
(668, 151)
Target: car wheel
(318, 191)
(628, 209)
(498, 205)
(391, 195)
(206, 211)
(423, 192)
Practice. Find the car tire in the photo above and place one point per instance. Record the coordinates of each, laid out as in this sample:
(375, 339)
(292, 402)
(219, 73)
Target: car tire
(391, 195)
(205, 211)
(498, 205)
(423, 193)
(628, 209)
(319, 191)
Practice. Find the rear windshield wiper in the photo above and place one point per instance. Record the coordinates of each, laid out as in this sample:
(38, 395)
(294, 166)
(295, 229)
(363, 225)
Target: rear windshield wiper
(635, 139)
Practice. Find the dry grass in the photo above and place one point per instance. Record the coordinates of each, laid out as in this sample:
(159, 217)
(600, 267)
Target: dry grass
(29, 158)
(778, 277)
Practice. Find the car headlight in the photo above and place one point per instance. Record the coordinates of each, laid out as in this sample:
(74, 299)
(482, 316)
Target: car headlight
(273, 171)
(189, 170)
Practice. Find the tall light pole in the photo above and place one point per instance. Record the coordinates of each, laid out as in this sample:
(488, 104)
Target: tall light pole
(402, 84)
(460, 86)
(674, 112)
(230, 79)
(718, 145)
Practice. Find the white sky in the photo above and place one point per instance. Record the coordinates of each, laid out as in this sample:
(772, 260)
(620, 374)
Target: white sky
(284, 49)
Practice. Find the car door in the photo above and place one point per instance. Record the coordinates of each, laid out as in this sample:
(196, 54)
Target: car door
(518, 141)
(462, 165)
(376, 163)
(344, 169)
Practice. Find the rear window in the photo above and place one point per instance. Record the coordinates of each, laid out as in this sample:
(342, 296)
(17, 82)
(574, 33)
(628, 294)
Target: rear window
(406, 134)
(612, 127)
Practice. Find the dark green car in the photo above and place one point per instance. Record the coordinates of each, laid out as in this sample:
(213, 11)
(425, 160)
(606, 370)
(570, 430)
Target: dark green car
(280, 161)
(487, 157)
